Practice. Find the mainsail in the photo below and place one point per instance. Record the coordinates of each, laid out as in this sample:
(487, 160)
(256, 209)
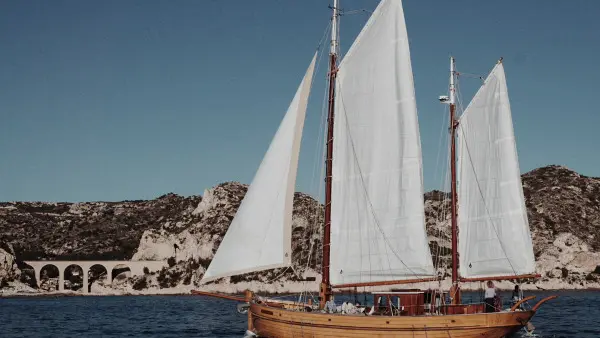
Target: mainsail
(378, 223)
(259, 236)
(494, 238)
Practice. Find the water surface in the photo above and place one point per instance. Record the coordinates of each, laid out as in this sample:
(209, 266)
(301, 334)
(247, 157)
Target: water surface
(573, 314)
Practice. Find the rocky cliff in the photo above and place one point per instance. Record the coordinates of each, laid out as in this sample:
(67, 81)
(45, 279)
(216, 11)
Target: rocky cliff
(191, 245)
(9, 271)
(564, 214)
(92, 230)
(563, 209)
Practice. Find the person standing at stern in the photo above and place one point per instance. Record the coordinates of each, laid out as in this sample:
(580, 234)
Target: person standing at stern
(490, 294)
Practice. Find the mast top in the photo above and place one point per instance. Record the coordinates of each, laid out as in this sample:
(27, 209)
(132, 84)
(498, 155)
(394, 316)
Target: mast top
(334, 28)
(500, 60)
(452, 89)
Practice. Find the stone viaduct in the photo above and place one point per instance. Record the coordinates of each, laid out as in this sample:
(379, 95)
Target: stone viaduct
(136, 268)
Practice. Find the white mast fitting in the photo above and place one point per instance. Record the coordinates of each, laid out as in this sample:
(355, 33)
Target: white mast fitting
(452, 88)
(334, 28)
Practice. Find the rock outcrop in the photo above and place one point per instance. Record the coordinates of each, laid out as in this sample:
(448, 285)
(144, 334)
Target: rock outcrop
(9, 271)
(91, 230)
(563, 210)
(191, 249)
(564, 215)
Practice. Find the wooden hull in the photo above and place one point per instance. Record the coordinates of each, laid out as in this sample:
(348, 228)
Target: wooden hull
(267, 321)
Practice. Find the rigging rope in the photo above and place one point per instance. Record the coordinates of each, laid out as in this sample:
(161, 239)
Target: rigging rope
(356, 11)
(316, 164)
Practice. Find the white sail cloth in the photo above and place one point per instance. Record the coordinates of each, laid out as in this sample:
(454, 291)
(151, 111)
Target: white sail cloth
(377, 223)
(259, 236)
(494, 237)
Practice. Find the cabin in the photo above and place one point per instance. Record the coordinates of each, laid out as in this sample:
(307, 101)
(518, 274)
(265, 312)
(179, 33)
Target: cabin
(399, 303)
(415, 302)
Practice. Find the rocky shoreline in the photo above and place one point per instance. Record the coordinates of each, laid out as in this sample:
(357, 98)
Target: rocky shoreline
(563, 211)
(239, 290)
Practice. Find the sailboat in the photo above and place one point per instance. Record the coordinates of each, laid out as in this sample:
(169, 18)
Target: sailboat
(374, 231)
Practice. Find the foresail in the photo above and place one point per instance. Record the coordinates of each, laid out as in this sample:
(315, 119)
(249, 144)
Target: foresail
(494, 238)
(377, 222)
(259, 236)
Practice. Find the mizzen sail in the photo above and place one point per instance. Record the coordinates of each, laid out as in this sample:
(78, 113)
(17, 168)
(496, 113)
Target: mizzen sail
(494, 237)
(259, 236)
(378, 223)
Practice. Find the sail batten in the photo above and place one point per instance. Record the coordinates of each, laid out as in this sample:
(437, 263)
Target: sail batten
(259, 237)
(494, 236)
(378, 222)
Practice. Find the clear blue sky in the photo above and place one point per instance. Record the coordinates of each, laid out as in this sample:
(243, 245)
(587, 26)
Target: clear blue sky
(117, 99)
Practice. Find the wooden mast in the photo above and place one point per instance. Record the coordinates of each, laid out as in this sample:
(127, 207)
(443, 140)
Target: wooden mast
(455, 289)
(325, 292)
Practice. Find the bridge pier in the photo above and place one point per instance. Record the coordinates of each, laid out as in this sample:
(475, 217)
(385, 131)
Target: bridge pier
(38, 273)
(61, 279)
(86, 271)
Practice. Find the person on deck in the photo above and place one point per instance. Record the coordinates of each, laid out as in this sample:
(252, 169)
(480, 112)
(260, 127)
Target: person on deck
(517, 295)
(490, 295)
(330, 306)
(349, 308)
(438, 304)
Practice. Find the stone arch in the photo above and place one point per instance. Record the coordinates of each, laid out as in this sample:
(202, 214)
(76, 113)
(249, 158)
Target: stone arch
(49, 277)
(29, 274)
(98, 272)
(73, 277)
(120, 272)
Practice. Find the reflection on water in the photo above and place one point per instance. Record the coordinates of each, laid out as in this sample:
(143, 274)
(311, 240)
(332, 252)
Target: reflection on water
(573, 314)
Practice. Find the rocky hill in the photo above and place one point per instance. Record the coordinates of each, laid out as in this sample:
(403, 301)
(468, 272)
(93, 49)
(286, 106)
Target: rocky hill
(563, 209)
(92, 230)
(564, 214)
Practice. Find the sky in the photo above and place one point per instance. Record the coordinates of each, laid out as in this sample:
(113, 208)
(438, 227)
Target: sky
(118, 100)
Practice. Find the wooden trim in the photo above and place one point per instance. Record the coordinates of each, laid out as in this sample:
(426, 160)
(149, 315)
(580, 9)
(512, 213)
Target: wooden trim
(514, 307)
(537, 306)
(454, 202)
(218, 295)
(483, 279)
(389, 282)
(455, 289)
(248, 297)
(289, 324)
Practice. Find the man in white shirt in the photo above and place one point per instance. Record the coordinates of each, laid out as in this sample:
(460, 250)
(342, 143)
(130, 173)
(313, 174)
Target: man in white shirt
(490, 294)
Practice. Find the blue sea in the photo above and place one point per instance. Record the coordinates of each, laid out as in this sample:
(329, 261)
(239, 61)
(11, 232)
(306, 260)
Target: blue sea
(573, 314)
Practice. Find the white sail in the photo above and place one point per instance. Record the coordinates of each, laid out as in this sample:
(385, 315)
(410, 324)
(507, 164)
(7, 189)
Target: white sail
(259, 236)
(377, 222)
(494, 238)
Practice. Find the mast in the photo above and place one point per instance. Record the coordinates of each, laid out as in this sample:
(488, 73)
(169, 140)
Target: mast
(455, 289)
(325, 292)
